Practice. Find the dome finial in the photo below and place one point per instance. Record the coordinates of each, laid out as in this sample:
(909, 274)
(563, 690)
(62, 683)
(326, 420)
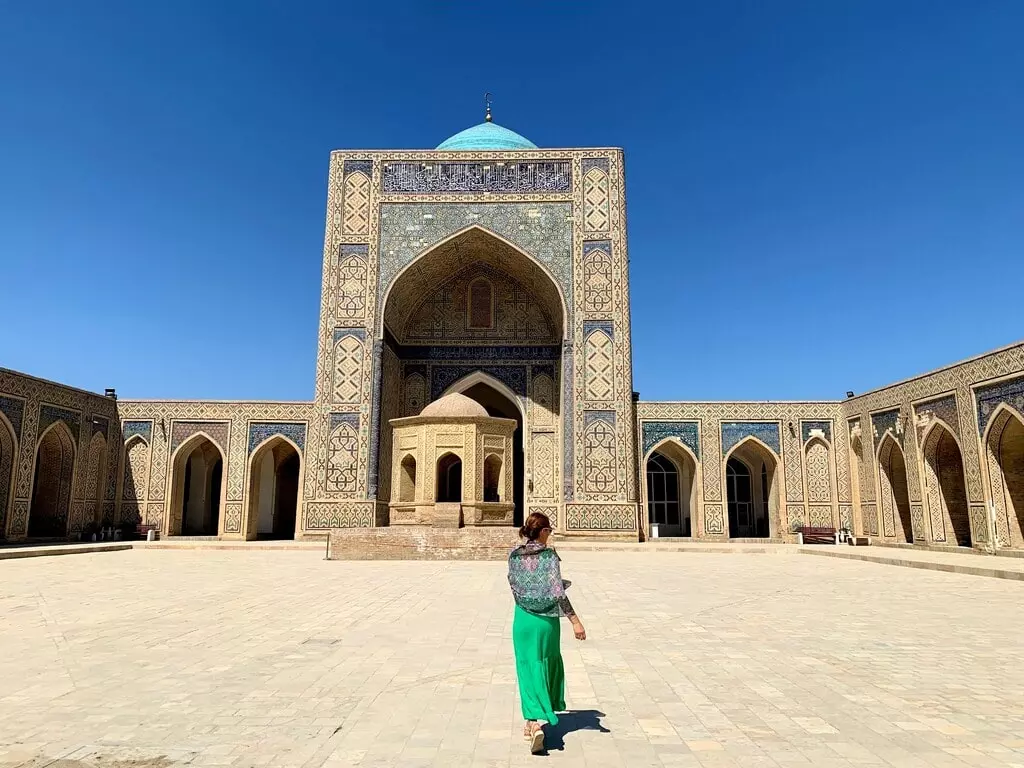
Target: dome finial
(487, 102)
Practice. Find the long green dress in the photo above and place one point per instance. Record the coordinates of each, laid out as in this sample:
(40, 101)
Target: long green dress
(539, 665)
(539, 590)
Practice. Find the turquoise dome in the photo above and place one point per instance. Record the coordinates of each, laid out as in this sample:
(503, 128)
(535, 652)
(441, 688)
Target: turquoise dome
(486, 136)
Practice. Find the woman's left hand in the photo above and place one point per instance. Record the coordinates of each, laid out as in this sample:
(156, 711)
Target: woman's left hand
(578, 630)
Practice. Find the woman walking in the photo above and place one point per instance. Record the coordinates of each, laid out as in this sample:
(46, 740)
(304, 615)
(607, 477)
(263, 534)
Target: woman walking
(539, 591)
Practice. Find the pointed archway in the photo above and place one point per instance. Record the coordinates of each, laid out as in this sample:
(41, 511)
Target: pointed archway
(1004, 458)
(197, 488)
(498, 400)
(670, 488)
(52, 483)
(468, 301)
(752, 492)
(275, 480)
(895, 496)
(945, 487)
(8, 455)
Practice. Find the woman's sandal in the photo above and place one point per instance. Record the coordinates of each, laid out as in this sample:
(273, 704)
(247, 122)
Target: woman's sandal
(537, 739)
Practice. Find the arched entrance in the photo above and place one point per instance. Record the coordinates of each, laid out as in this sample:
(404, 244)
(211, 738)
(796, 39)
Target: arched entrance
(449, 478)
(1004, 449)
(671, 489)
(752, 490)
(892, 476)
(197, 488)
(52, 483)
(96, 477)
(8, 454)
(275, 469)
(477, 315)
(945, 489)
(498, 400)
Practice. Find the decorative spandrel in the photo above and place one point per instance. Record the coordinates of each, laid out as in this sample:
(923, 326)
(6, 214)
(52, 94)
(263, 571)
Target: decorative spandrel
(442, 177)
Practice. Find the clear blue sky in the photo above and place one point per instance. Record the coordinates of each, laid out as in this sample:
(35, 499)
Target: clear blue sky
(822, 195)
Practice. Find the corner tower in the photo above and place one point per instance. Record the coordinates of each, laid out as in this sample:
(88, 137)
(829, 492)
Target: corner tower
(490, 268)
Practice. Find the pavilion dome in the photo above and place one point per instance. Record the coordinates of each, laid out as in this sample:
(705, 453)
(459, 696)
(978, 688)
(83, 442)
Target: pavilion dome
(486, 135)
(455, 404)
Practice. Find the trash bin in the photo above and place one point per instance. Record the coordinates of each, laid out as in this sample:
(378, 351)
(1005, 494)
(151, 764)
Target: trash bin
(654, 530)
(151, 535)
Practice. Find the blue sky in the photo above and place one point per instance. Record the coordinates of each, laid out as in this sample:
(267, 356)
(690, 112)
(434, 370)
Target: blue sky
(821, 196)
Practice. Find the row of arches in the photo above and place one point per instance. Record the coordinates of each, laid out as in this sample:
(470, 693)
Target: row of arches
(751, 489)
(448, 485)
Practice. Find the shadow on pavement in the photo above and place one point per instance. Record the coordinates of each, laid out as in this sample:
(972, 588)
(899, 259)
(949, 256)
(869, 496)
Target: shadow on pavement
(578, 720)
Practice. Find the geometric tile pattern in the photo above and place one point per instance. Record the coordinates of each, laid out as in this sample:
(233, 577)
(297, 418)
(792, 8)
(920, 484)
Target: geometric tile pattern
(13, 408)
(806, 427)
(653, 432)
(262, 430)
(1010, 392)
(48, 414)
(596, 201)
(735, 431)
(217, 432)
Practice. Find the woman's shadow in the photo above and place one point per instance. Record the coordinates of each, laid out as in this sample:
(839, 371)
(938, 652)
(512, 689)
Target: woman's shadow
(576, 720)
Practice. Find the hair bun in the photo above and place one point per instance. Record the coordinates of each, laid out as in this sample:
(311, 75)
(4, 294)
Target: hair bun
(522, 531)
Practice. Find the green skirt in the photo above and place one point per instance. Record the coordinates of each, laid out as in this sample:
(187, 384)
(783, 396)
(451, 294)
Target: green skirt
(536, 640)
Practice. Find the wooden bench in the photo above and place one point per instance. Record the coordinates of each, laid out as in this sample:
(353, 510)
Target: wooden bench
(817, 535)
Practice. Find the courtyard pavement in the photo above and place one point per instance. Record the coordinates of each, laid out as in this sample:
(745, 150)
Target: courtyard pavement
(252, 658)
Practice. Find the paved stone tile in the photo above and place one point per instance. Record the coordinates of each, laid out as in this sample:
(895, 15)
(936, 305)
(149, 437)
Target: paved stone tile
(278, 658)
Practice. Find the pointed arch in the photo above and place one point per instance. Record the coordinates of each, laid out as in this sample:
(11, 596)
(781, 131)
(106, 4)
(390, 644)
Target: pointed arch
(8, 461)
(893, 489)
(1003, 448)
(753, 505)
(197, 487)
(275, 470)
(95, 477)
(52, 482)
(482, 377)
(819, 478)
(945, 487)
(553, 289)
(407, 488)
(674, 508)
(448, 487)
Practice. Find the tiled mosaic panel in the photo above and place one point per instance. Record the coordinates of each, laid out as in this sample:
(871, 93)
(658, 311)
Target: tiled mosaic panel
(14, 409)
(735, 432)
(807, 427)
(686, 432)
(1010, 392)
(439, 177)
(48, 414)
(600, 517)
(260, 431)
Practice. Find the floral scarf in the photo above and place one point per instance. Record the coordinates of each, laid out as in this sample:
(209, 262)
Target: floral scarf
(536, 580)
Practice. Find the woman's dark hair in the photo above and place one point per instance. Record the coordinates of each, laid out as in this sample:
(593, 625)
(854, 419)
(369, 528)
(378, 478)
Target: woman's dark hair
(534, 524)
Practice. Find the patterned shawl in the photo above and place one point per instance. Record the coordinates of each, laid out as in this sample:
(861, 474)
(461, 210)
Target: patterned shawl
(536, 580)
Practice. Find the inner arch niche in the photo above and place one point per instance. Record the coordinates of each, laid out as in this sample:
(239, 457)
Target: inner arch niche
(472, 305)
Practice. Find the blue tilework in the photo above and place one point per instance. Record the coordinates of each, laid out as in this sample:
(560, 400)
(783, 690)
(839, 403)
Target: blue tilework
(261, 430)
(477, 176)
(352, 419)
(807, 426)
(142, 428)
(443, 376)
(544, 370)
(51, 413)
(372, 478)
(595, 162)
(491, 352)
(734, 432)
(883, 422)
(354, 249)
(589, 326)
(14, 410)
(359, 333)
(544, 230)
(361, 166)
(686, 432)
(597, 245)
(589, 417)
(1010, 392)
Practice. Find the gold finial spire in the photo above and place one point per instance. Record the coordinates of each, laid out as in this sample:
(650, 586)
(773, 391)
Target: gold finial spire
(487, 102)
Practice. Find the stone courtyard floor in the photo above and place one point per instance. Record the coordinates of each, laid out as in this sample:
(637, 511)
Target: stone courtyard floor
(252, 658)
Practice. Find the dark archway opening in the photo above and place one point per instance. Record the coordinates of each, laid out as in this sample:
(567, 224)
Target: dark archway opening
(497, 404)
(200, 506)
(449, 478)
(51, 487)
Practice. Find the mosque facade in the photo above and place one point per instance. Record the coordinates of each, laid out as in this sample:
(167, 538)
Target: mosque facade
(487, 281)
